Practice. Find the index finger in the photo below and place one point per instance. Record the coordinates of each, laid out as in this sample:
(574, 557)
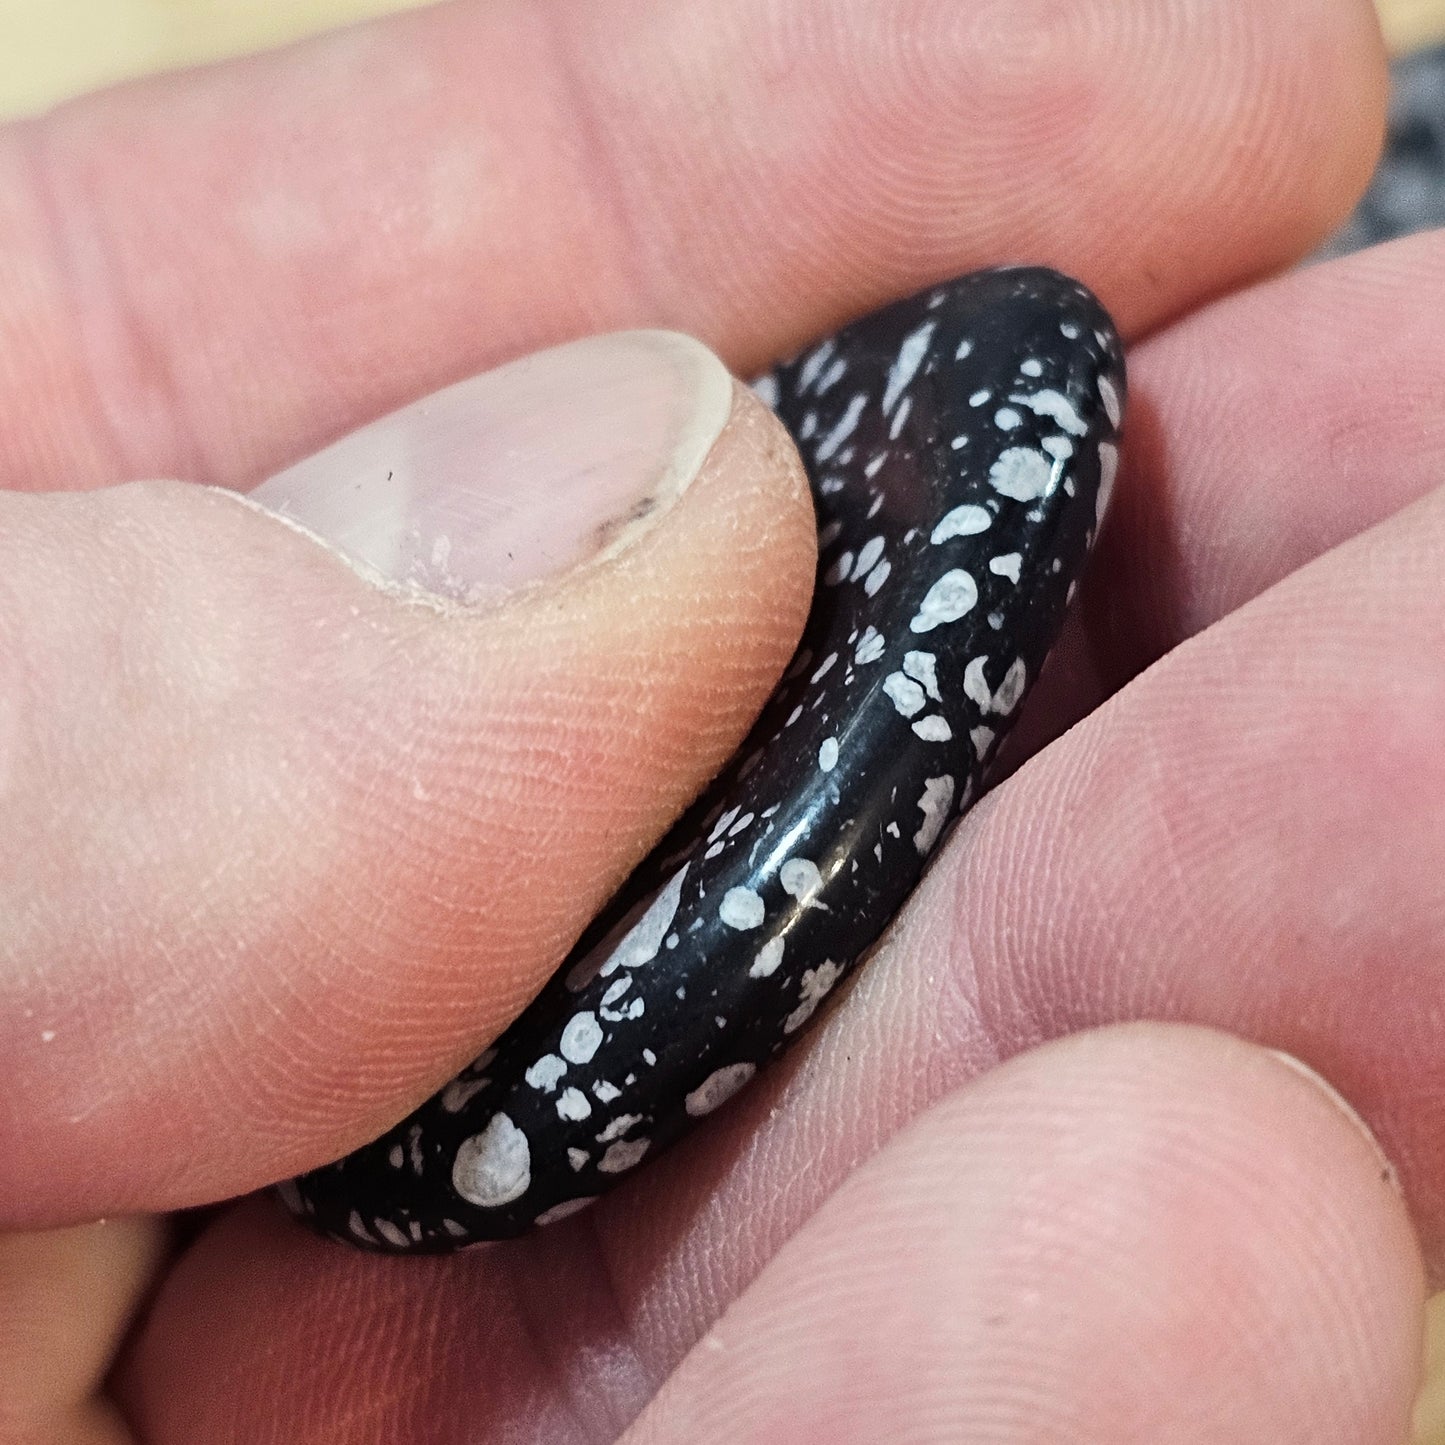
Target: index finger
(208, 275)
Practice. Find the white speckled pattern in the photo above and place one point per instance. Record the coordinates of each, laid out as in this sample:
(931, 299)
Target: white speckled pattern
(961, 446)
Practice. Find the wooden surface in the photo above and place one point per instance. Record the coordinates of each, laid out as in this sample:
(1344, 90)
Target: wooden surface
(50, 49)
(1409, 24)
(55, 48)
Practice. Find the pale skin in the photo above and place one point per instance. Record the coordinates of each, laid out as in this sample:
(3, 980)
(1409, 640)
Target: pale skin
(971, 1206)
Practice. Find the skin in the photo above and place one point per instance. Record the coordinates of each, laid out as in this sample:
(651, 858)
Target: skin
(962, 1185)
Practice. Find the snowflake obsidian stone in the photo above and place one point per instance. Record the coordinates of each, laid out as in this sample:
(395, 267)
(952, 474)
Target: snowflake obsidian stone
(961, 447)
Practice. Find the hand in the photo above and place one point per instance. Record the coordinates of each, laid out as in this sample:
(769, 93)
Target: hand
(269, 866)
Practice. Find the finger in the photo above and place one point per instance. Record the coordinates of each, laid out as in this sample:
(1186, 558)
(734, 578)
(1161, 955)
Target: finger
(1156, 1224)
(66, 1299)
(1143, 1235)
(209, 274)
(1248, 836)
(1264, 430)
(284, 842)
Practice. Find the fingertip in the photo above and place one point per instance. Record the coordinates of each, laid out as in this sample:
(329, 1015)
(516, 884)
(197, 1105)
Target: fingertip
(291, 846)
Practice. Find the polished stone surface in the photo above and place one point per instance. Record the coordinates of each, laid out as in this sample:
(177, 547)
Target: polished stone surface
(961, 447)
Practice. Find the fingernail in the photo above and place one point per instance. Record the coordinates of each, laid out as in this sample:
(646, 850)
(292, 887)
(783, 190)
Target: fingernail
(519, 474)
(1345, 1108)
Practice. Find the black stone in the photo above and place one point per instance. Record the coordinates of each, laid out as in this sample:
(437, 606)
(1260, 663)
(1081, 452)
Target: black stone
(961, 448)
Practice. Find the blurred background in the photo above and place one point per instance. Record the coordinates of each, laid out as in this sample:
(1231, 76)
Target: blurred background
(53, 49)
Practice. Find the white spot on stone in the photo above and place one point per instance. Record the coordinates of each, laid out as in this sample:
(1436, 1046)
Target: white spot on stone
(572, 1105)
(718, 1088)
(937, 799)
(816, 985)
(1108, 472)
(965, 521)
(397, 1157)
(875, 466)
(832, 376)
(741, 908)
(951, 597)
(1007, 419)
(830, 533)
(1011, 689)
(745, 821)
(639, 944)
(800, 878)
(975, 684)
(765, 965)
(870, 647)
(906, 695)
(618, 1127)
(546, 1073)
(1109, 395)
(1032, 368)
(982, 739)
(877, 577)
(580, 1037)
(391, 1234)
(965, 350)
(900, 419)
(494, 1167)
(1057, 407)
(723, 824)
(616, 989)
(1009, 565)
(565, 1210)
(357, 1229)
(460, 1092)
(839, 570)
(766, 387)
(870, 552)
(978, 398)
(1070, 331)
(923, 667)
(934, 729)
(649, 1056)
(457, 1231)
(625, 1154)
(824, 667)
(793, 716)
(1022, 473)
(905, 368)
(605, 1091)
(828, 447)
(1059, 448)
(291, 1198)
(828, 755)
(814, 362)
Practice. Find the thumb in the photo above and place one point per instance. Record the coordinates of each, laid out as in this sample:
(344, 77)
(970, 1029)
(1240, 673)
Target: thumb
(292, 825)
